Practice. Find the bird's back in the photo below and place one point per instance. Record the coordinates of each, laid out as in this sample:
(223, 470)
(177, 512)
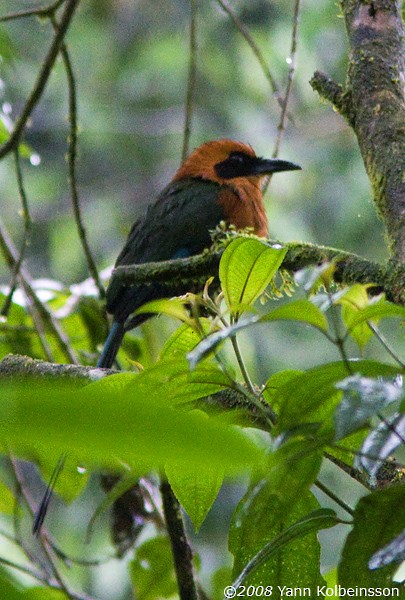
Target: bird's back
(177, 225)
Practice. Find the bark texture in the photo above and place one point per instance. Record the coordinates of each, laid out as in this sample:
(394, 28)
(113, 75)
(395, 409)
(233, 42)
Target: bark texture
(373, 103)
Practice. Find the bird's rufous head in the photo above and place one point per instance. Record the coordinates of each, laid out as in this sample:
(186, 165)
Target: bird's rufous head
(226, 160)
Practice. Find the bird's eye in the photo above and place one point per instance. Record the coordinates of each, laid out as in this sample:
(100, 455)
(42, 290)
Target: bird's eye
(236, 158)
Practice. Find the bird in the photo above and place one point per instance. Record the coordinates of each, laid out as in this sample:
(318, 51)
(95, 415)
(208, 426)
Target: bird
(220, 181)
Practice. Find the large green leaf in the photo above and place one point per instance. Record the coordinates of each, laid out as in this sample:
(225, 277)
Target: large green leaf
(299, 310)
(42, 593)
(312, 397)
(314, 521)
(378, 518)
(246, 268)
(172, 381)
(102, 426)
(259, 521)
(152, 572)
(9, 589)
(7, 500)
(195, 488)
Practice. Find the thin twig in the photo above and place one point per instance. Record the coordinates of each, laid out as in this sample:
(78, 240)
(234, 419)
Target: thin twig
(42, 79)
(190, 79)
(351, 471)
(182, 553)
(385, 344)
(334, 497)
(255, 49)
(290, 77)
(45, 11)
(43, 539)
(242, 365)
(49, 582)
(42, 316)
(26, 234)
(241, 362)
(24, 569)
(71, 155)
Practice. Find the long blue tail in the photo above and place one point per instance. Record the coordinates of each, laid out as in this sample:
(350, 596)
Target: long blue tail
(111, 346)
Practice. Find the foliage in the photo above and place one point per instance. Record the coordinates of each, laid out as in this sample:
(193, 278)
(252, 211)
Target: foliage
(285, 391)
(143, 421)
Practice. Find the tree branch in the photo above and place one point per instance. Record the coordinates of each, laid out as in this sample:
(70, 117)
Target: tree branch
(45, 11)
(182, 552)
(350, 269)
(16, 366)
(42, 79)
(373, 103)
(71, 158)
(190, 79)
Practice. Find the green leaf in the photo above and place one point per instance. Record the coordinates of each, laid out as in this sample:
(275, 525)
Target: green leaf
(8, 49)
(275, 382)
(377, 310)
(293, 467)
(353, 300)
(247, 266)
(42, 593)
(184, 339)
(314, 521)
(378, 518)
(8, 588)
(299, 310)
(7, 500)
(152, 572)
(195, 489)
(219, 580)
(102, 426)
(312, 397)
(260, 524)
(381, 443)
(362, 398)
(173, 307)
(172, 381)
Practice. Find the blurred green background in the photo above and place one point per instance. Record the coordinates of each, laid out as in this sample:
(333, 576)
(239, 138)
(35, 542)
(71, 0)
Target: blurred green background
(130, 59)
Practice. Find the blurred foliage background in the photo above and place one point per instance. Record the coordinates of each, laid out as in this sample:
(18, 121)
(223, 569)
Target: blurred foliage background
(130, 59)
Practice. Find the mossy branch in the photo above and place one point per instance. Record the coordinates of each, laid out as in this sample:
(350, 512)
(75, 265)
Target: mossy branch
(17, 367)
(373, 103)
(350, 269)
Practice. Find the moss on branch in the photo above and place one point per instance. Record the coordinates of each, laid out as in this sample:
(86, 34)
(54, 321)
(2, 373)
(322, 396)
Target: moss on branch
(373, 103)
(350, 268)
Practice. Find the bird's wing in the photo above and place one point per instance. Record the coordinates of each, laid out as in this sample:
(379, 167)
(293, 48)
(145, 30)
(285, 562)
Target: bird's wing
(177, 225)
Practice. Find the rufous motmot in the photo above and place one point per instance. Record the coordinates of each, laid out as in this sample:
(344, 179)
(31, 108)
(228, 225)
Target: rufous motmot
(220, 181)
